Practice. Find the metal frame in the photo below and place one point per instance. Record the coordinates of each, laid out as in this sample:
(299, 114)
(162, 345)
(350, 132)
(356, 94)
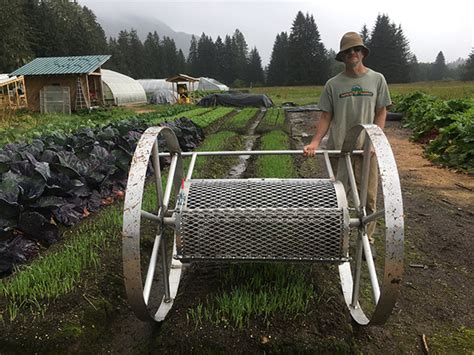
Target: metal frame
(385, 295)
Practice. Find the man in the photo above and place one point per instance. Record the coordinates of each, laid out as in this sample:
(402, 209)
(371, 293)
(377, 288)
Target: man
(356, 95)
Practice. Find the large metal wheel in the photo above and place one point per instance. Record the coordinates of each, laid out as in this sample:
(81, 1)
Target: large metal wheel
(151, 297)
(371, 287)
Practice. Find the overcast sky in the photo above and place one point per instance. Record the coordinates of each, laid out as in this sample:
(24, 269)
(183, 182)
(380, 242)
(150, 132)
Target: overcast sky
(430, 26)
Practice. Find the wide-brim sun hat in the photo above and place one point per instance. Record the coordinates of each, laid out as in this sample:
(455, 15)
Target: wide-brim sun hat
(349, 40)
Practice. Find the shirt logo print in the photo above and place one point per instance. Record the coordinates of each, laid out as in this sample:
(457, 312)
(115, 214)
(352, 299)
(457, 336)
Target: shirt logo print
(356, 90)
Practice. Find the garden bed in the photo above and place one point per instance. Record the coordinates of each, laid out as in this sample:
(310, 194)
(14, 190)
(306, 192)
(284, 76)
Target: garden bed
(434, 302)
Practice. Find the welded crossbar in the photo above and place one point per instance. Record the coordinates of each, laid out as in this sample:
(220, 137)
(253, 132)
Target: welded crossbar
(325, 153)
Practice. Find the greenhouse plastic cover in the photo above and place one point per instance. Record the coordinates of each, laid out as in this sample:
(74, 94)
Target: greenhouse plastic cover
(210, 84)
(162, 96)
(151, 85)
(5, 77)
(123, 89)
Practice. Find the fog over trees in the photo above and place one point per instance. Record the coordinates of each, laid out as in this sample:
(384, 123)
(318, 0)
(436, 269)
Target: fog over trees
(40, 28)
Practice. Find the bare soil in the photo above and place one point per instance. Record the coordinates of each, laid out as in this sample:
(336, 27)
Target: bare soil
(435, 300)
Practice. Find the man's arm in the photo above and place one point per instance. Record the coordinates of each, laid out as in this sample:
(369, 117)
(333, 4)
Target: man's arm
(380, 116)
(321, 130)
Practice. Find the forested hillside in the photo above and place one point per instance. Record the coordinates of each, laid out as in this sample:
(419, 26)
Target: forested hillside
(42, 28)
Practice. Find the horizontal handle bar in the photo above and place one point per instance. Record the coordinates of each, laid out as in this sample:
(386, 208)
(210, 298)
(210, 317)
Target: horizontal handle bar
(258, 152)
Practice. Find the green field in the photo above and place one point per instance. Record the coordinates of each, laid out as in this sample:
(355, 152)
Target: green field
(304, 95)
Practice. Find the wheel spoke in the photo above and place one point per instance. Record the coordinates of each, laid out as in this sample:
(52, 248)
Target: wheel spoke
(373, 216)
(151, 269)
(364, 181)
(371, 266)
(150, 216)
(169, 184)
(357, 271)
(155, 159)
(353, 185)
(165, 269)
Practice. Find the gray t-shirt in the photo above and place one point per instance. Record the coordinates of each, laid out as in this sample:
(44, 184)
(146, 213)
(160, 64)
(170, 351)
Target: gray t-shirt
(352, 101)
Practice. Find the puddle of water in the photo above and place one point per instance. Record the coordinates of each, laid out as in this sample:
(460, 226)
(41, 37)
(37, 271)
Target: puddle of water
(250, 138)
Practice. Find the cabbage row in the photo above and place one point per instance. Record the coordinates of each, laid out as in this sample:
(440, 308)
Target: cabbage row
(61, 178)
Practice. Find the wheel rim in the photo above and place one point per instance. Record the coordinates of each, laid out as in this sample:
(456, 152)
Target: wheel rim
(385, 293)
(139, 290)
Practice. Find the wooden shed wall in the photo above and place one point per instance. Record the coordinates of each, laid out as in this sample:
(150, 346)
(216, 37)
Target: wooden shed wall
(35, 83)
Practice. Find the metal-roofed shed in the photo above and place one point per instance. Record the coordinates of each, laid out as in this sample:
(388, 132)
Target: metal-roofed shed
(63, 84)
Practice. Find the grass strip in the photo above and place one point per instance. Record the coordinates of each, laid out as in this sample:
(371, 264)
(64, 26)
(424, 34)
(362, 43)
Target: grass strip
(194, 112)
(273, 119)
(241, 119)
(256, 291)
(210, 117)
(275, 166)
(216, 167)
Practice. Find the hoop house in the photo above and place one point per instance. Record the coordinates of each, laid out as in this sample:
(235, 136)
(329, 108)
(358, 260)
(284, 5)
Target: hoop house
(210, 84)
(120, 89)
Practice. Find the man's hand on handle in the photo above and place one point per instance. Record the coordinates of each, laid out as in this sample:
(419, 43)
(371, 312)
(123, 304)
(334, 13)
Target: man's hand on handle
(310, 149)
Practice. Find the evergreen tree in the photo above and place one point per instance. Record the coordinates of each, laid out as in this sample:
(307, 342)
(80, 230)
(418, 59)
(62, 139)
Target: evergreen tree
(255, 75)
(170, 55)
(14, 45)
(414, 69)
(116, 59)
(277, 72)
(307, 56)
(93, 31)
(240, 58)
(389, 51)
(228, 65)
(439, 67)
(62, 28)
(180, 62)
(205, 65)
(468, 69)
(364, 33)
(335, 67)
(424, 71)
(122, 45)
(220, 68)
(152, 56)
(192, 57)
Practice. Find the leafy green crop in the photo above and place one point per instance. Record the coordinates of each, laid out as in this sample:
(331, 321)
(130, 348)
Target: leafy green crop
(275, 166)
(445, 126)
(206, 119)
(27, 127)
(256, 291)
(240, 120)
(273, 119)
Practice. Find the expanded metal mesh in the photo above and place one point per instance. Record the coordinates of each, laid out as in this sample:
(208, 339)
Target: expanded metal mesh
(260, 219)
(261, 194)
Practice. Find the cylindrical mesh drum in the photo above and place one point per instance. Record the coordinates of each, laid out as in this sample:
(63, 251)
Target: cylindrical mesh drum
(256, 219)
